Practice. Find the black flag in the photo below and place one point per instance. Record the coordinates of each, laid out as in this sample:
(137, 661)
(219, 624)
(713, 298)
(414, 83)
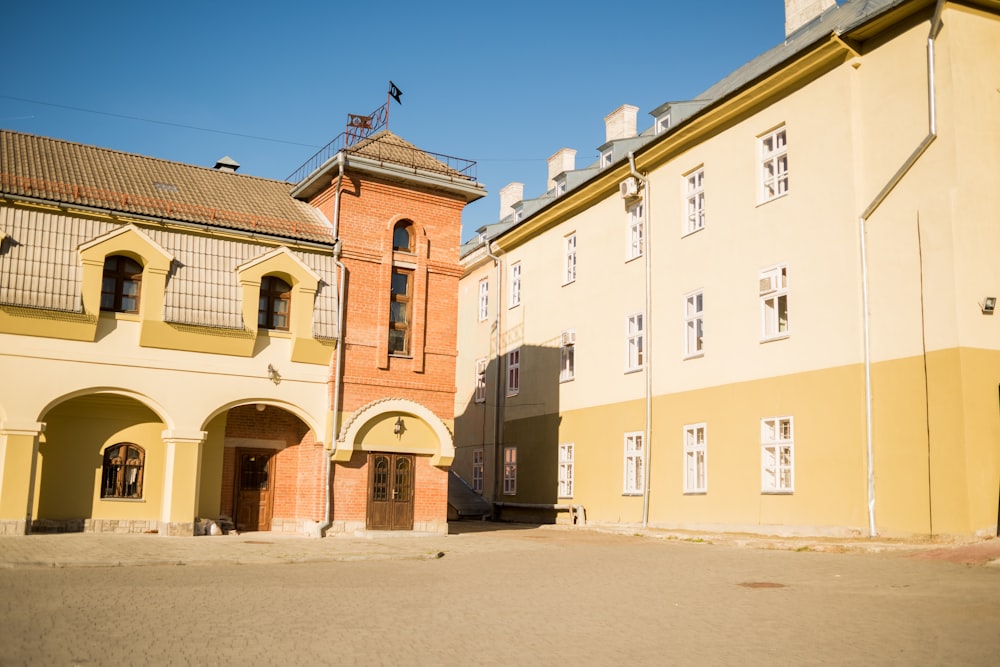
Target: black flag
(395, 93)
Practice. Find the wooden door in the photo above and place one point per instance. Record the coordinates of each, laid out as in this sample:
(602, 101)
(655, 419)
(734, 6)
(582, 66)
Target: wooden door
(254, 489)
(390, 491)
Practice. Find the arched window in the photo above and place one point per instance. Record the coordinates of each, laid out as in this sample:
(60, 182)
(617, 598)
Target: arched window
(120, 287)
(402, 236)
(121, 472)
(275, 303)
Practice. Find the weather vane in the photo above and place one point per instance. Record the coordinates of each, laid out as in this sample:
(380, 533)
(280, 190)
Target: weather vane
(362, 127)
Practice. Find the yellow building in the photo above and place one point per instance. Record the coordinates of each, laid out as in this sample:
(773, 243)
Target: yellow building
(772, 311)
(170, 336)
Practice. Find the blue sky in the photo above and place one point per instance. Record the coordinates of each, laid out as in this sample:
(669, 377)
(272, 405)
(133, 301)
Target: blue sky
(506, 84)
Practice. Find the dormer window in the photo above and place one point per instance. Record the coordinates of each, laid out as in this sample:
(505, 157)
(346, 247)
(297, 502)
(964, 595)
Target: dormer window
(275, 304)
(606, 156)
(120, 286)
(402, 236)
(663, 123)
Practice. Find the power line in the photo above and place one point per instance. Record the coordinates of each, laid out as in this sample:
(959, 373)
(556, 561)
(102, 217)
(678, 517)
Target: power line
(158, 122)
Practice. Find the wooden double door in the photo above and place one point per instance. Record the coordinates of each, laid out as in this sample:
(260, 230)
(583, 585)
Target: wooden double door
(390, 491)
(254, 489)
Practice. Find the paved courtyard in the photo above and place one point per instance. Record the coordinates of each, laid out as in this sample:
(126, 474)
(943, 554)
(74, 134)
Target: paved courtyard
(516, 596)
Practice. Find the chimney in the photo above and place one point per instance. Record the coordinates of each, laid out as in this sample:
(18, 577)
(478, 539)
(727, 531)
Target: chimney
(800, 12)
(563, 160)
(510, 194)
(226, 164)
(620, 123)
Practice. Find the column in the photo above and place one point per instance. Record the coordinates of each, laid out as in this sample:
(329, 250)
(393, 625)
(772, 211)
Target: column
(182, 481)
(18, 467)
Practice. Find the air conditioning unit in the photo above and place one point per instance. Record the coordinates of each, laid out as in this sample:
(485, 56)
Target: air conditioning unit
(629, 188)
(568, 338)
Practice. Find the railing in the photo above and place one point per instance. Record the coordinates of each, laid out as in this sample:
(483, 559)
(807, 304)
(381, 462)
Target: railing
(412, 158)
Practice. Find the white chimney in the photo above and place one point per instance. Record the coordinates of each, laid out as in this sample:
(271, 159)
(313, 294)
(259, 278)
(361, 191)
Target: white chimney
(620, 123)
(226, 164)
(510, 194)
(800, 12)
(563, 160)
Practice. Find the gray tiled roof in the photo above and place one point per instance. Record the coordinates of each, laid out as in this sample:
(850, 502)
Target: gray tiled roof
(71, 173)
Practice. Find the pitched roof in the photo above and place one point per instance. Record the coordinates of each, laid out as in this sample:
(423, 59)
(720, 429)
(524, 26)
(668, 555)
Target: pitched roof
(70, 173)
(388, 147)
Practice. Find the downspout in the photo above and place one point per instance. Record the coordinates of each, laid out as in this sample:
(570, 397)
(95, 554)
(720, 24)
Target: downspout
(500, 394)
(647, 336)
(338, 364)
(862, 226)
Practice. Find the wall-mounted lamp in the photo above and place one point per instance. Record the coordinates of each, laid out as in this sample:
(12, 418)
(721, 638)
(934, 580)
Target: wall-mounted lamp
(399, 427)
(988, 305)
(273, 375)
(260, 407)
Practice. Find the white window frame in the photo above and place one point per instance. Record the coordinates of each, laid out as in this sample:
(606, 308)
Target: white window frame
(636, 231)
(510, 471)
(773, 164)
(514, 372)
(695, 197)
(777, 455)
(696, 458)
(694, 324)
(478, 470)
(567, 355)
(569, 259)
(481, 364)
(515, 285)
(773, 286)
(662, 124)
(634, 348)
(606, 157)
(566, 454)
(484, 299)
(634, 462)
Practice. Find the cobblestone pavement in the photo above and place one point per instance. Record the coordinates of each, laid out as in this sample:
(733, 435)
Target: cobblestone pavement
(517, 595)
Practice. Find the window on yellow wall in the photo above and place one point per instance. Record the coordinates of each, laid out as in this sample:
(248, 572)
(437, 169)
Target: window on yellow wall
(121, 471)
(275, 304)
(400, 311)
(120, 285)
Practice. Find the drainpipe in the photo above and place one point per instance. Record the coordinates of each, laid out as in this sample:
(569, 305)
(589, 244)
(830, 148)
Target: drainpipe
(647, 336)
(497, 420)
(862, 226)
(339, 352)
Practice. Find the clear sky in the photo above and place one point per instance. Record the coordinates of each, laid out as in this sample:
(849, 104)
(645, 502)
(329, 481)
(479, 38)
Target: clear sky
(505, 84)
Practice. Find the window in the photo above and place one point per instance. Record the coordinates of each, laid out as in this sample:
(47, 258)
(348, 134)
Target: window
(515, 284)
(606, 156)
(777, 473)
(773, 165)
(121, 471)
(774, 303)
(694, 334)
(477, 470)
(402, 236)
(400, 311)
(695, 480)
(635, 230)
(695, 201)
(274, 305)
(509, 471)
(634, 463)
(513, 372)
(120, 286)
(484, 299)
(567, 355)
(633, 342)
(662, 124)
(570, 264)
(566, 471)
(480, 380)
